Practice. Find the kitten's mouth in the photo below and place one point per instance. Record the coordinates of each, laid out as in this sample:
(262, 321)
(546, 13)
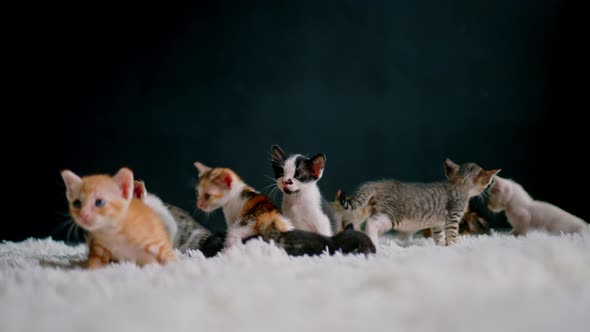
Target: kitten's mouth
(289, 191)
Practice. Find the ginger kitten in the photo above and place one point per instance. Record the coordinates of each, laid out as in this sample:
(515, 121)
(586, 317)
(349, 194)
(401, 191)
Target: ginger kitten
(246, 211)
(526, 214)
(410, 207)
(121, 227)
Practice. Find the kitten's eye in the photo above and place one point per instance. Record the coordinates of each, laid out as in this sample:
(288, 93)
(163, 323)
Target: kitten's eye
(99, 202)
(207, 196)
(76, 204)
(298, 175)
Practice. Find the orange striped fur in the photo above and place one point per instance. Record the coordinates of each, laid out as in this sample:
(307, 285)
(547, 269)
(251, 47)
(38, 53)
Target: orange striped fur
(121, 227)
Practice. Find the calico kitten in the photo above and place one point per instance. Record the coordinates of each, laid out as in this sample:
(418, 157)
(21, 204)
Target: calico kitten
(185, 232)
(246, 211)
(303, 204)
(525, 214)
(121, 227)
(410, 207)
(348, 241)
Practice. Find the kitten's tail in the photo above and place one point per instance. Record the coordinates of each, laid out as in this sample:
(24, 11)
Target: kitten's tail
(361, 199)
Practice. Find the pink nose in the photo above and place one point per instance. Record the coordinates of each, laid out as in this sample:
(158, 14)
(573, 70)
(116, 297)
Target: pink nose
(85, 215)
(287, 182)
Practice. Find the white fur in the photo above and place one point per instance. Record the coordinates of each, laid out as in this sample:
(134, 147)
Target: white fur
(526, 214)
(493, 283)
(158, 206)
(304, 206)
(377, 225)
(237, 232)
(232, 208)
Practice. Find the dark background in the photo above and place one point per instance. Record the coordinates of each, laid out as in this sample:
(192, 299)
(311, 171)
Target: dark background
(383, 88)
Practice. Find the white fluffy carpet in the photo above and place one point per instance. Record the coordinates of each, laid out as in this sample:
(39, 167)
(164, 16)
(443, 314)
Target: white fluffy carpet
(498, 283)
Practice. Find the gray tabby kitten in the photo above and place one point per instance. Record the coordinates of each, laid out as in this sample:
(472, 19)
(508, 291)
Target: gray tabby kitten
(410, 207)
(185, 233)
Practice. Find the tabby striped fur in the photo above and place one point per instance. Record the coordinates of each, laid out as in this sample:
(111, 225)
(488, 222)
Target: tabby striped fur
(410, 207)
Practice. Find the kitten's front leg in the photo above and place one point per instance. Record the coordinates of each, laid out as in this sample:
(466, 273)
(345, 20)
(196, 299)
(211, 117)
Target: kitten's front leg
(377, 225)
(97, 256)
(237, 232)
(161, 253)
(452, 226)
(438, 235)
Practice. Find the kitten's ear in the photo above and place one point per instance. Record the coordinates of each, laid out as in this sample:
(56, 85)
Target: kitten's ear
(450, 168)
(124, 178)
(349, 227)
(488, 176)
(338, 194)
(201, 168)
(343, 200)
(495, 171)
(71, 180)
(139, 189)
(277, 154)
(224, 179)
(318, 162)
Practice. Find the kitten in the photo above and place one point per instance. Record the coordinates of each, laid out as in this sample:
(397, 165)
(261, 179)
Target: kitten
(471, 224)
(303, 204)
(246, 211)
(525, 214)
(185, 232)
(121, 227)
(299, 242)
(410, 207)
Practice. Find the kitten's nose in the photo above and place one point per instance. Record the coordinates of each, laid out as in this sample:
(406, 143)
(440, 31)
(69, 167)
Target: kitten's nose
(287, 182)
(84, 215)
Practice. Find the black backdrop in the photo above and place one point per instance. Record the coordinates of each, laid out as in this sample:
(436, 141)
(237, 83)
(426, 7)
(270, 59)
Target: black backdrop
(383, 88)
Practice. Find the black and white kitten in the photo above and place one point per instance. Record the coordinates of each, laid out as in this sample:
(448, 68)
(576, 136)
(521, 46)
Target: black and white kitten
(303, 204)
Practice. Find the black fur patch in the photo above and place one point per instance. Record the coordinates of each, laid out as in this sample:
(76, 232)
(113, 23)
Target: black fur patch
(304, 170)
(299, 243)
(278, 160)
(247, 193)
(212, 245)
(350, 241)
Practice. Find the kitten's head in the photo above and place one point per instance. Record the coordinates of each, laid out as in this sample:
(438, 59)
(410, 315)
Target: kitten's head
(350, 241)
(344, 217)
(471, 177)
(339, 213)
(216, 187)
(100, 200)
(296, 172)
(500, 194)
(473, 224)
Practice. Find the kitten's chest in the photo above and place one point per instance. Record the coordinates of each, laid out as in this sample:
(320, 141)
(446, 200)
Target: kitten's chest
(304, 210)
(122, 249)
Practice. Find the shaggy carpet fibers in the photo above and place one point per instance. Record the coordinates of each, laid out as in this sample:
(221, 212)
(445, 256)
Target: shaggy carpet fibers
(487, 283)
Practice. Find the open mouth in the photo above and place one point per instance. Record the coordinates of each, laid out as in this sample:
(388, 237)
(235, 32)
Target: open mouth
(289, 191)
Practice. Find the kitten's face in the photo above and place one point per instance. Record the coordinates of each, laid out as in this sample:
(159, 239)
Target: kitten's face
(214, 187)
(296, 172)
(344, 217)
(470, 176)
(500, 194)
(97, 201)
(472, 223)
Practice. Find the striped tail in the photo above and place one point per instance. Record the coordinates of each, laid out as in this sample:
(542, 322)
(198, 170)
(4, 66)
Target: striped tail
(360, 200)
